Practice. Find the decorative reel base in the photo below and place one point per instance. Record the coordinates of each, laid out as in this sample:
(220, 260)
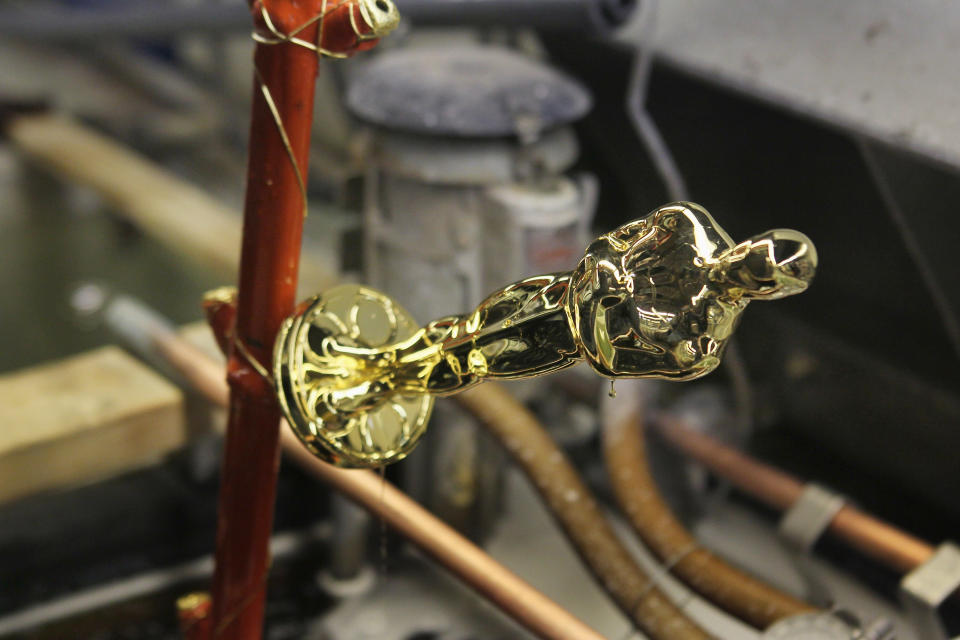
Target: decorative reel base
(331, 370)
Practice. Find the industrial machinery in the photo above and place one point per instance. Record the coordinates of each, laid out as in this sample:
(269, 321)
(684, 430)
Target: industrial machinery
(479, 192)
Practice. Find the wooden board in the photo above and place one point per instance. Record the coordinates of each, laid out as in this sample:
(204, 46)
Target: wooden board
(178, 214)
(83, 419)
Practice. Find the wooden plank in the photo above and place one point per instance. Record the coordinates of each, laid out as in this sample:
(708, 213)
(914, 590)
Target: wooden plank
(82, 419)
(179, 215)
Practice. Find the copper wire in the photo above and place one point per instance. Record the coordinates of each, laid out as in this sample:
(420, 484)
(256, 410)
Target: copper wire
(280, 37)
(290, 38)
(272, 106)
(251, 359)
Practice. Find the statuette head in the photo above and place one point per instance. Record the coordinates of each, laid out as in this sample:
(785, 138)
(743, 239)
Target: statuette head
(661, 296)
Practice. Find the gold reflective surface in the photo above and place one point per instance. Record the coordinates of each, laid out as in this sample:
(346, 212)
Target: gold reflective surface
(656, 298)
(659, 297)
(330, 365)
(381, 16)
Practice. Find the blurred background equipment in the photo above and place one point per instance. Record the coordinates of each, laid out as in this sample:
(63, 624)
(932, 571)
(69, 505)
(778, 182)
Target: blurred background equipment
(466, 191)
(508, 130)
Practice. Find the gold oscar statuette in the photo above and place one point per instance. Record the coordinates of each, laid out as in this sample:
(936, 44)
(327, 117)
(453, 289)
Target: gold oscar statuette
(656, 298)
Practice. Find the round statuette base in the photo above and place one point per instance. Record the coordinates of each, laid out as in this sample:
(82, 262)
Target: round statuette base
(332, 377)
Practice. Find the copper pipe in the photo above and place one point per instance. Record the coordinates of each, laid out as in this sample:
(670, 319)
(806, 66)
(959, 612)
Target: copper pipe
(729, 588)
(880, 540)
(567, 497)
(875, 538)
(503, 588)
(576, 511)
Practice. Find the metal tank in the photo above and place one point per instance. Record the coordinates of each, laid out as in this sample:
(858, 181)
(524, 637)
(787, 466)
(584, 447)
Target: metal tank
(466, 189)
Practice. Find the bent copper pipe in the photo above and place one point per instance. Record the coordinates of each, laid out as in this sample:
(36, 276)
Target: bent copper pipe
(732, 590)
(556, 479)
(876, 539)
(576, 511)
(504, 589)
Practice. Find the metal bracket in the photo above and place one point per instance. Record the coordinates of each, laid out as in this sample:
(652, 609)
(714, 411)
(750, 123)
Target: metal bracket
(924, 589)
(800, 528)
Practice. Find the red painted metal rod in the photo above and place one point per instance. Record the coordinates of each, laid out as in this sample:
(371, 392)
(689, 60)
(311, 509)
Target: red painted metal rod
(280, 127)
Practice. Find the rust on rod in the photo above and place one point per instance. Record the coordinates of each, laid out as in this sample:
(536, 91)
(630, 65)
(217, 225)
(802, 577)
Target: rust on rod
(732, 590)
(873, 537)
(511, 594)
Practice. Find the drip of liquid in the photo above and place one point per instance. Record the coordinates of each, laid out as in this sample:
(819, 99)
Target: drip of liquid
(383, 523)
(613, 392)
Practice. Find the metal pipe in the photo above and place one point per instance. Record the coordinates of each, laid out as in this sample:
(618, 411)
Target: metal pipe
(281, 120)
(877, 539)
(558, 482)
(504, 589)
(577, 512)
(732, 590)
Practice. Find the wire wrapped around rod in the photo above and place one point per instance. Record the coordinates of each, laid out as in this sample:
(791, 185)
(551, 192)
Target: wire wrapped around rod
(575, 509)
(636, 492)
